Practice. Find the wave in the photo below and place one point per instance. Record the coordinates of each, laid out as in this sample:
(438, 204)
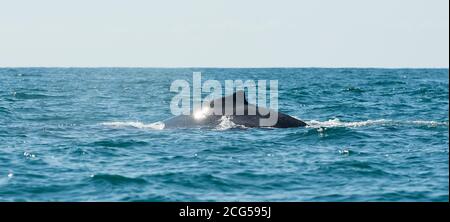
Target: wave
(227, 123)
(25, 96)
(224, 124)
(139, 125)
(116, 179)
(118, 143)
(4, 110)
(380, 122)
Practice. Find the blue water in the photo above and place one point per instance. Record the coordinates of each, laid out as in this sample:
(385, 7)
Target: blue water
(82, 134)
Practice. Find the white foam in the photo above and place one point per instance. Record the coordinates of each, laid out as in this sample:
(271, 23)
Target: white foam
(337, 123)
(429, 123)
(139, 125)
(227, 123)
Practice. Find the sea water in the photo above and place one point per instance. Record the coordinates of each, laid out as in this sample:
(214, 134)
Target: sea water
(94, 134)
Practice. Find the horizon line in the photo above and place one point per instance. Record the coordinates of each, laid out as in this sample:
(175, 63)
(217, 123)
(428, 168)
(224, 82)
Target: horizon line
(229, 67)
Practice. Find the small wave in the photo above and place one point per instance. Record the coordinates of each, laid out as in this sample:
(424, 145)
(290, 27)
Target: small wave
(30, 96)
(354, 89)
(4, 110)
(139, 125)
(116, 179)
(388, 83)
(428, 123)
(119, 143)
(381, 122)
(337, 123)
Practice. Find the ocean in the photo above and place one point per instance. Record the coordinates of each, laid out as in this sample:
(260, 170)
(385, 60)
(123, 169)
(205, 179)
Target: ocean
(89, 134)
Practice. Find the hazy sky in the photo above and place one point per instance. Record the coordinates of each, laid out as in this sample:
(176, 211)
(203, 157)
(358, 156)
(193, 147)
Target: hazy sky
(225, 33)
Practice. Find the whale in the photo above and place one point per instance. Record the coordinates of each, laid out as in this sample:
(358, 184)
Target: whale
(235, 108)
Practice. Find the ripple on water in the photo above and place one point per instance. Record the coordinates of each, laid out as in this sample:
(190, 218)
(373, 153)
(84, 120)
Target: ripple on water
(25, 96)
(354, 90)
(115, 179)
(118, 143)
(4, 110)
(353, 168)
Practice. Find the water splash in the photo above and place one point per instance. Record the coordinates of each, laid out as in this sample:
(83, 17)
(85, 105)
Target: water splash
(226, 123)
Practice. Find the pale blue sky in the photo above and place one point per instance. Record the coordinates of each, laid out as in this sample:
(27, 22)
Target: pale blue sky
(225, 33)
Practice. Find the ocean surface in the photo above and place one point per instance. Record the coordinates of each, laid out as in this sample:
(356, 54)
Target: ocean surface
(91, 134)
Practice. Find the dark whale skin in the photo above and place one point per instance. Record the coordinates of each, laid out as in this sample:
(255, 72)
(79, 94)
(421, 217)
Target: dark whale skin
(239, 104)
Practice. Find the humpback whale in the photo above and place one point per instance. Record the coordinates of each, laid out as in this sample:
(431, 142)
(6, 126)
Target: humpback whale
(238, 110)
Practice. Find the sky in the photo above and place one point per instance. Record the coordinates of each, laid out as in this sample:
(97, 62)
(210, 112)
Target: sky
(224, 33)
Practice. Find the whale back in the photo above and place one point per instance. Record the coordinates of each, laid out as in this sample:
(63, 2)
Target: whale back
(237, 108)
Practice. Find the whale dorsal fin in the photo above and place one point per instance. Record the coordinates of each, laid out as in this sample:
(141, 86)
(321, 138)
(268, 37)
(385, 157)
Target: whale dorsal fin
(239, 96)
(238, 99)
